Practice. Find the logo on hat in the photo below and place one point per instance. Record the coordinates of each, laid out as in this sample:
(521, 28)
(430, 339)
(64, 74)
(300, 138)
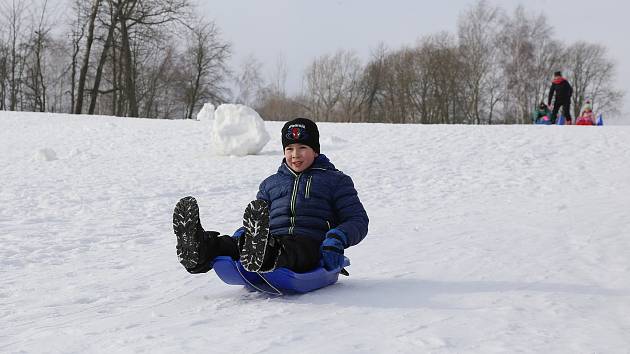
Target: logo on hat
(297, 132)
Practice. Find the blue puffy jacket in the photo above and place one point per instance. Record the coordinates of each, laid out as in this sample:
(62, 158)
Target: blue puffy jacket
(314, 201)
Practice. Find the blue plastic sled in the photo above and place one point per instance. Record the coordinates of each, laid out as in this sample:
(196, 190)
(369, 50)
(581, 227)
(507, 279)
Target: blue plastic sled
(279, 282)
(561, 120)
(600, 120)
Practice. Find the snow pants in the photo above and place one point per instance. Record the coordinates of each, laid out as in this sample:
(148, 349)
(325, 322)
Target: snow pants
(298, 253)
(566, 111)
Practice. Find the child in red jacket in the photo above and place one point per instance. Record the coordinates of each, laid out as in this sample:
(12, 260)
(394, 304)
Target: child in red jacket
(587, 117)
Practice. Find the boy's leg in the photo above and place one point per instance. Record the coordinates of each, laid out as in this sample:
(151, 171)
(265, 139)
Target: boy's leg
(299, 253)
(258, 250)
(262, 252)
(196, 248)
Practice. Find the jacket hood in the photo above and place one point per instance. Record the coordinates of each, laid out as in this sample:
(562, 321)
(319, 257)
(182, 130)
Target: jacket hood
(558, 80)
(321, 162)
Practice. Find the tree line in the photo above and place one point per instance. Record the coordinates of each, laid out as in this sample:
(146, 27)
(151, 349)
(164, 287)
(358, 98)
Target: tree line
(135, 58)
(494, 70)
(158, 59)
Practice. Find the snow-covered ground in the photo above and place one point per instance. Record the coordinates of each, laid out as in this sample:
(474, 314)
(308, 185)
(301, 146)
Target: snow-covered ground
(483, 239)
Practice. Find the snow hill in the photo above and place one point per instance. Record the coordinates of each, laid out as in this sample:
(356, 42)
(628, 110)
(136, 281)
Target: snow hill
(483, 239)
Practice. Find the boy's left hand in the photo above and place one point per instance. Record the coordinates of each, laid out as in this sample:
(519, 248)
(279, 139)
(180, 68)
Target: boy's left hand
(332, 249)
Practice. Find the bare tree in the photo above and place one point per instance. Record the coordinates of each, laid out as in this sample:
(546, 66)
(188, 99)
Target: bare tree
(57, 75)
(522, 42)
(77, 34)
(35, 85)
(109, 22)
(86, 56)
(4, 70)
(478, 29)
(278, 77)
(329, 80)
(249, 81)
(591, 75)
(14, 14)
(398, 79)
(205, 65)
(273, 101)
(372, 83)
(353, 97)
(133, 16)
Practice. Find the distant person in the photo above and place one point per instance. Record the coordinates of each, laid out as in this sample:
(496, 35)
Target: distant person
(563, 91)
(587, 117)
(307, 212)
(542, 115)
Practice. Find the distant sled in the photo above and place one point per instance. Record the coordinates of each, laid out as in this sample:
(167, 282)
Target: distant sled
(599, 122)
(279, 282)
(561, 120)
(544, 120)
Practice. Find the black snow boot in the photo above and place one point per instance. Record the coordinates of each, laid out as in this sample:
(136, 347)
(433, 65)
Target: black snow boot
(259, 250)
(194, 245)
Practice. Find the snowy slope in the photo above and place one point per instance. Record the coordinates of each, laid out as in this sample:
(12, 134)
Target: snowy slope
(483, 239)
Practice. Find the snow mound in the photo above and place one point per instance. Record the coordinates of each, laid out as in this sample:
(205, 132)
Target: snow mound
(46, 154)
(206, 113)
(238, 130)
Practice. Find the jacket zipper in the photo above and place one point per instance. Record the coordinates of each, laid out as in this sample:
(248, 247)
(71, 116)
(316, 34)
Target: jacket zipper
(308, 187)
(296, 185)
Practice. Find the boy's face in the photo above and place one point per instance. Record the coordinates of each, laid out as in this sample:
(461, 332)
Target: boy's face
(299, 156)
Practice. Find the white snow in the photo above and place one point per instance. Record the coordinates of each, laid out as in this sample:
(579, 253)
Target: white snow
(483, 239)
(238, 130)
(206, 113)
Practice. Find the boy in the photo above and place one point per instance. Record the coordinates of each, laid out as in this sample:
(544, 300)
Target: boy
(563, 90)
(306, 212)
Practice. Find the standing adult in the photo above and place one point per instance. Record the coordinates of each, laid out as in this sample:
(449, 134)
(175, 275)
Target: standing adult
(563, 90)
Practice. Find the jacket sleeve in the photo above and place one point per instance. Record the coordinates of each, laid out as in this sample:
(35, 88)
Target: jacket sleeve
(353, 219)
(551, 90)
(263, 193)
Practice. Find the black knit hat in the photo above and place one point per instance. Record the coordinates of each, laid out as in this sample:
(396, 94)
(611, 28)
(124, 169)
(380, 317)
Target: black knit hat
(301, 131)
(557, 73)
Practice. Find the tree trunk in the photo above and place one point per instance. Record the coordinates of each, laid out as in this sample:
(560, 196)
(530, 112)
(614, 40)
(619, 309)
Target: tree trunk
(101, 65)
(86, 58)
(195, 90)
(13, 82)
(130, 86)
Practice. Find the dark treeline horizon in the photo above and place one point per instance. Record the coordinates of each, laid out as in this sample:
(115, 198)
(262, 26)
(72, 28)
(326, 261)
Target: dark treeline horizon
(158, 59)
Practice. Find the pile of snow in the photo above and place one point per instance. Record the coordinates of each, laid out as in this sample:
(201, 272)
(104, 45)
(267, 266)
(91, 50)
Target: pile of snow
(206, 113)
(238, 131)
(332, 142)
(46, 154)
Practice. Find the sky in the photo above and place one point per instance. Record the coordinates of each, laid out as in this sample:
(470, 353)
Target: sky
(300, 30)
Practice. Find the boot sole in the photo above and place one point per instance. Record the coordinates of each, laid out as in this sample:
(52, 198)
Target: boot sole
(256, 236)
(185, 221)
